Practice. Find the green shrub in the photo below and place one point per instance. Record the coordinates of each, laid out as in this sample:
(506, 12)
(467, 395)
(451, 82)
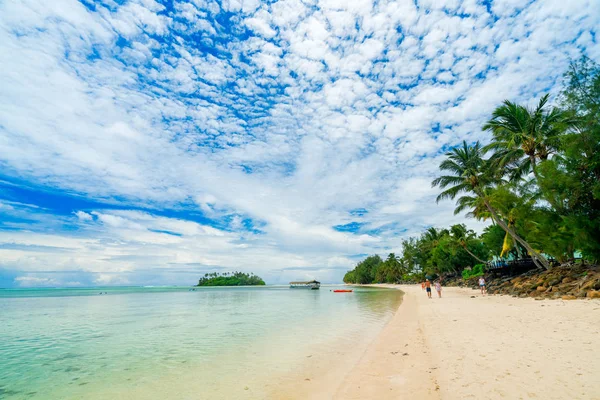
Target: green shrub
(477, 270)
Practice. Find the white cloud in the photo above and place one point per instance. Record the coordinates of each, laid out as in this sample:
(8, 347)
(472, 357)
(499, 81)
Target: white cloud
(83, 216)
(286, 115)
(28, 281)
(259, 23)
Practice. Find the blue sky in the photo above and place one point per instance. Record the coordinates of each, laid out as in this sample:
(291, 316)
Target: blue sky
(147, 142)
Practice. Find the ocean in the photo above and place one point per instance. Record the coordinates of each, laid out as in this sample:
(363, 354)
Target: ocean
(170, 342)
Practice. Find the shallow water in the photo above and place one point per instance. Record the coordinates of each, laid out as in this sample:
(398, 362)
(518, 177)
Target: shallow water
(140, 343)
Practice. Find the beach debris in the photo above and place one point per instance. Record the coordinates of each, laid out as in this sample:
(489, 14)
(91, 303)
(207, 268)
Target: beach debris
(246, 388)
(394, 352)
(473, 297)
(306, 379)
(404, 354)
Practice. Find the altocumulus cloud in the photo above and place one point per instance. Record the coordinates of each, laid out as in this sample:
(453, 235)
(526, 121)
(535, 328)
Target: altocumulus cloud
(147, 143)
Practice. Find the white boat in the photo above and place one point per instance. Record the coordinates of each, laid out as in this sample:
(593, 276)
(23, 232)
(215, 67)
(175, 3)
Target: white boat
(313, 285)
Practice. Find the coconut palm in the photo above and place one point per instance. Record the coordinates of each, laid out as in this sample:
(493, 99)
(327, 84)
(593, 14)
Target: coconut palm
(432, 236)
(471, 176)
(523, 137)
(463, 237)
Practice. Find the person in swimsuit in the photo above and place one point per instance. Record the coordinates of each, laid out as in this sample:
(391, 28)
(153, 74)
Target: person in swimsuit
(428, 287)
(438, 288)
(482, 285)
(422, 285)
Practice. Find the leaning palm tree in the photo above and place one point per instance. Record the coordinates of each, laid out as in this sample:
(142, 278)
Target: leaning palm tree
(523, 137)
(469, 174)
(463, 237)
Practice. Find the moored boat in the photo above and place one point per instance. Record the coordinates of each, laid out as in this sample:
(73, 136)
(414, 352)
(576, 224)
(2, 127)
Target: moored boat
(313, 285)
(342, 291)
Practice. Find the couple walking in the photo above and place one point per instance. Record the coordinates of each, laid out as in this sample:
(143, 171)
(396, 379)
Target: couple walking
(427, 286)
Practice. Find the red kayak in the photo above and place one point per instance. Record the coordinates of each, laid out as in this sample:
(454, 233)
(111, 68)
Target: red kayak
(342, 291)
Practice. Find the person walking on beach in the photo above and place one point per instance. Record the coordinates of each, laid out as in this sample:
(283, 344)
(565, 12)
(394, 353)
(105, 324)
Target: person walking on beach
(438, 288)
(422, 285)
(482, 285)
(428, 287)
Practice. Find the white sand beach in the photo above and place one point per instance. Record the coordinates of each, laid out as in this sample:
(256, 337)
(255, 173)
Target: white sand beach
(465, 345)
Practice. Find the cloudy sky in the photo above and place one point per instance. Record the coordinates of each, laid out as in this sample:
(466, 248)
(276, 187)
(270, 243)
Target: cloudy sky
(148, 142)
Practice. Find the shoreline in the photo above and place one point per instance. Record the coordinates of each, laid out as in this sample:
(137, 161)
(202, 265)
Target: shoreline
(397, 364)
(320, 375)
(466, 345)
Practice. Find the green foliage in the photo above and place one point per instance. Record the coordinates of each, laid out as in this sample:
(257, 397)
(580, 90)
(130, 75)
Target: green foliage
(349, 277)
(365, 271)
(390, 271)
(374, 270)
(435, 252)
(230, 279)
(538, 179)
(578, 170)
(493, 238)
(476, 271)
(449, 250)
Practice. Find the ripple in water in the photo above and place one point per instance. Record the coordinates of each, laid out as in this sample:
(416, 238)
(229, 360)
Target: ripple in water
(147, 343)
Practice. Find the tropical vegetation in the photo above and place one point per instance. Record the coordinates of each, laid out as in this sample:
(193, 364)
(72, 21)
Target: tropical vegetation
(436, 251)
(536, 181)
(230, 279)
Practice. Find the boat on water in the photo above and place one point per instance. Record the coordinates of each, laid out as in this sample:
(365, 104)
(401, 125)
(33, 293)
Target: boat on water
(313, 285)
(342, 291)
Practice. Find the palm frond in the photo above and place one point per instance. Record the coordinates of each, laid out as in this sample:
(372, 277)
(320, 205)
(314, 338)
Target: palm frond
(452, 192)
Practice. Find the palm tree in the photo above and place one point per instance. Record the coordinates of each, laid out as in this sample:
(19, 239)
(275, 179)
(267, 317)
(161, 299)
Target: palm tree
(430, 239)
(432, 236)
(463, 236)
(469, 174)
(523, 137)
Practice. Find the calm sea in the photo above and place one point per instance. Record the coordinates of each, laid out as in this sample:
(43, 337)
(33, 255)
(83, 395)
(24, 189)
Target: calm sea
(160, 343)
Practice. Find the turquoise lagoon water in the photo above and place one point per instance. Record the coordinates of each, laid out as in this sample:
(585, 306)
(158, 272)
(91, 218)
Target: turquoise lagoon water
(146, 343)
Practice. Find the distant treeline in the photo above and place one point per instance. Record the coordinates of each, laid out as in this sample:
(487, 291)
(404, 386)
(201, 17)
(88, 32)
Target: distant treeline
(230, 279)
(374, 269)
(434, 252)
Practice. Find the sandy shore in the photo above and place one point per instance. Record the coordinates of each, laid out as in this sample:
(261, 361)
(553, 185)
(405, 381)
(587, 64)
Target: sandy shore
(491, 347)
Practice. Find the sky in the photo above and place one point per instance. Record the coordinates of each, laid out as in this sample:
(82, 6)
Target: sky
(148, 142)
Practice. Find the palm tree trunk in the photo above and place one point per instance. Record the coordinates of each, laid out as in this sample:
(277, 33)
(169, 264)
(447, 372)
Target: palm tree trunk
(519, 253)
(534, 254)
(473, 255)
(534, 167)
(537, 264)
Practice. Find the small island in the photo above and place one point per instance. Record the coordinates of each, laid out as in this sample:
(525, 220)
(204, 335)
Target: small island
(230, 279)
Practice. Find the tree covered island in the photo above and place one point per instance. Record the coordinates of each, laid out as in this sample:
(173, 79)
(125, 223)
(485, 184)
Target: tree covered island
(230, 279)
